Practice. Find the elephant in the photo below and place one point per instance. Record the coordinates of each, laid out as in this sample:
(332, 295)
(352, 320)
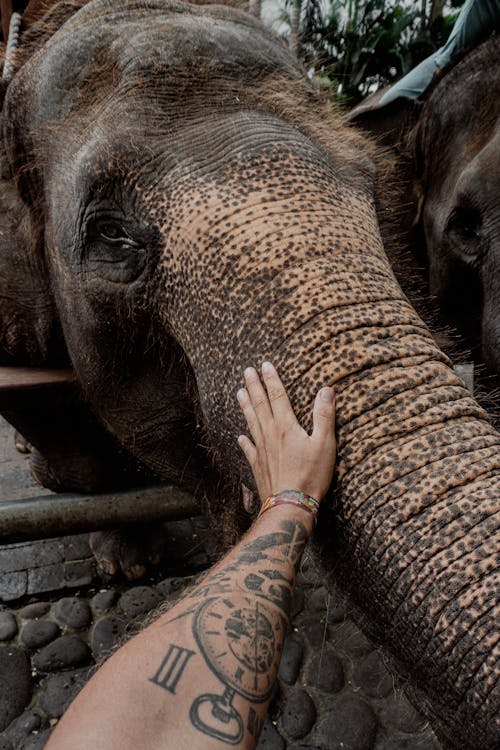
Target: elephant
(180, 202)
(459, 195)
(451, 139)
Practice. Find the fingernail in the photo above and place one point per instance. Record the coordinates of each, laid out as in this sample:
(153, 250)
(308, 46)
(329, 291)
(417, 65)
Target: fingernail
(267, 368)
(326, 394)
(240, 439)
(241, 394)
(248, 372)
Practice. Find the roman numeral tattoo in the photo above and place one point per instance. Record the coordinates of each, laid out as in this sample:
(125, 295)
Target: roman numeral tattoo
(170, 670)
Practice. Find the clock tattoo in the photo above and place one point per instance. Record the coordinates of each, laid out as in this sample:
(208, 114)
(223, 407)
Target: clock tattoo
(243, 649)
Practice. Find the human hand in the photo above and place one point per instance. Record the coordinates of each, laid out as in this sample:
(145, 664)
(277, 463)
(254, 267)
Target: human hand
(282, 454)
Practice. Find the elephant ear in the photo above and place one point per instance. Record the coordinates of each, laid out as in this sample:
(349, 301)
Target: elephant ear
(28, 326)
(29, 330)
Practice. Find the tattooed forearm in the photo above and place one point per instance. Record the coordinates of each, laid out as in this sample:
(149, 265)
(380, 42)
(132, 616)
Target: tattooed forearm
(241, 640)
(272, 562)
(201, 675)
(284, 545)
(238, 616)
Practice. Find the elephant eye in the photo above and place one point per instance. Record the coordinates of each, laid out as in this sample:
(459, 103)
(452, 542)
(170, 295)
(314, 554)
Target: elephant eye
(109, 247)
(114, 233)
(464, 222)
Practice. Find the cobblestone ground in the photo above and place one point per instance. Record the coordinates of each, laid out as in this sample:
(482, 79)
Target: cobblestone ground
(57, 618)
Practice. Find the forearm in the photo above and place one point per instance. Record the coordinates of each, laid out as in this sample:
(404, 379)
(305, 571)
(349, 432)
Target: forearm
(206, 668)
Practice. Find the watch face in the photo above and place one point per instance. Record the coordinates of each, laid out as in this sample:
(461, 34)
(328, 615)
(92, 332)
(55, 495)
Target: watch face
(241, 643)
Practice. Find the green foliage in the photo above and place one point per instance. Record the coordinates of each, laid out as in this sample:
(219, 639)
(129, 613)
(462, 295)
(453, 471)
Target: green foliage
(355, 46)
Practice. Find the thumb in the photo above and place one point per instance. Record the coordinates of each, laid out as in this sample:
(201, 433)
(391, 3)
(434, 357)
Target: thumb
(324, 414)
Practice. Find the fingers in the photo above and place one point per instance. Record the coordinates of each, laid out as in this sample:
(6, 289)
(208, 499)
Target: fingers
(280, 404)
(251, 417)
(258, 397)
(324, 414)
(282, 454)
(248, 449)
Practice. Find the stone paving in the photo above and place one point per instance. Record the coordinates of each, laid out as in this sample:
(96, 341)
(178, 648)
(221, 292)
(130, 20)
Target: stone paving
(334, 692)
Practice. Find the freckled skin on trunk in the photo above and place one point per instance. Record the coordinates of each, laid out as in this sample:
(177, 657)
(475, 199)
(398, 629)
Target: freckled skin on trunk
(247, 231)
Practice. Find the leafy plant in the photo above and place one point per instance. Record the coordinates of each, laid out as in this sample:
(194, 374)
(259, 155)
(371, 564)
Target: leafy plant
(355, 46)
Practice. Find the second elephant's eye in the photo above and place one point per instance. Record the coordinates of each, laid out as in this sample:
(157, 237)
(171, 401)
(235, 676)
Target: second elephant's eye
(465, 222)
(463, 232)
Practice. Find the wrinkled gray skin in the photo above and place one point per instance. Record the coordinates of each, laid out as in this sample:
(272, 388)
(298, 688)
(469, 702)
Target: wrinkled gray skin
(458, 157)
(448, 148)
(179, 204)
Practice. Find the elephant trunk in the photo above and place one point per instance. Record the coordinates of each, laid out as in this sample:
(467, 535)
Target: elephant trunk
(417, 481)
(417, 492)
(295, 272)
(418, 495)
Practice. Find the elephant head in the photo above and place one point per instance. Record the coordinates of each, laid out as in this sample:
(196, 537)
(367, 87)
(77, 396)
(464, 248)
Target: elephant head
(457, 144)
(196, 207)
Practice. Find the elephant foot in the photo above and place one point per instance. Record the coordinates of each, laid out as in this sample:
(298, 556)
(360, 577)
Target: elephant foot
(21, 444)
(129, 550)
(41, 472)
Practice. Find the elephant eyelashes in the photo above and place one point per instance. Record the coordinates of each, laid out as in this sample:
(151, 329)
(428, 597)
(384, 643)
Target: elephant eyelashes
(114, 233)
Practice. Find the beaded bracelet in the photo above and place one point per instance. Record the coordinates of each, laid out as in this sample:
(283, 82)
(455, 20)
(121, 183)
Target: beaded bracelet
(295, 497)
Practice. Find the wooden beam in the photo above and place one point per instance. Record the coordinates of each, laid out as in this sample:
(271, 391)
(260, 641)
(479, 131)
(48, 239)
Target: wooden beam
(24, 387)
(21, 378)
